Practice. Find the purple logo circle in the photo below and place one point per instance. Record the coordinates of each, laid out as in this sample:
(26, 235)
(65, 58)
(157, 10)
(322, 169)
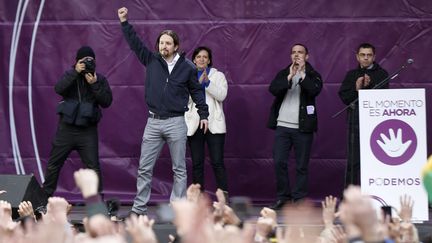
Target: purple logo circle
(393, 142)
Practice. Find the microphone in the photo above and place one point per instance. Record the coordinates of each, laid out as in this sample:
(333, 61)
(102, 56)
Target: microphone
(408, 62)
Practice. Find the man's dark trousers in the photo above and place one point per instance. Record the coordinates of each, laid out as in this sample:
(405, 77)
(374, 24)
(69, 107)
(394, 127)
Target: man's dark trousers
(285, 139)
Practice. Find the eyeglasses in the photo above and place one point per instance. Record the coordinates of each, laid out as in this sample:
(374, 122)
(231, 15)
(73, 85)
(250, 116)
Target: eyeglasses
(365, 55)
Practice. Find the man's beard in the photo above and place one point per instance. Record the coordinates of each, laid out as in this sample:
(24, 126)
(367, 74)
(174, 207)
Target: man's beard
(165, 53)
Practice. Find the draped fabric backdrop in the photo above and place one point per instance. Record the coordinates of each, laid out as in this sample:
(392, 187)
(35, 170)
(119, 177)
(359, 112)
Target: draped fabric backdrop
(251, 40)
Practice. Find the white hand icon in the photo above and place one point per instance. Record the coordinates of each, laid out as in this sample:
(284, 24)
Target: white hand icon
(393, 147)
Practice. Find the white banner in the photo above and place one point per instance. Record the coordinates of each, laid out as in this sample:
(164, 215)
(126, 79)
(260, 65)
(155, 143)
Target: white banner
(393, 146)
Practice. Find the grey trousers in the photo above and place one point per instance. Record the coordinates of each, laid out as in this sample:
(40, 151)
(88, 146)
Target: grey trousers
(174, 132)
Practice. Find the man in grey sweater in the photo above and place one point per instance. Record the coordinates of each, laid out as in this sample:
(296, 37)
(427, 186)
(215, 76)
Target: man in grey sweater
(293, 115)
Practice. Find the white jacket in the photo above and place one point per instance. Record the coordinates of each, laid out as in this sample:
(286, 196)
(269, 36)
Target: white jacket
(215, 94)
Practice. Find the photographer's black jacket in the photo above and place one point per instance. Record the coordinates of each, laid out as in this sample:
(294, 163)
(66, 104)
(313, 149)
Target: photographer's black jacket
(167, 94)
(78, 94)
(311, 86)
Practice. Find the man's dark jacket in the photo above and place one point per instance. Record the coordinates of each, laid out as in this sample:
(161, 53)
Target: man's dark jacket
(348, 92)
(167, 94)
(311, 86)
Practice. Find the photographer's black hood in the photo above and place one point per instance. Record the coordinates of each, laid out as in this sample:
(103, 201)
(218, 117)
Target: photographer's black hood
(85, 51)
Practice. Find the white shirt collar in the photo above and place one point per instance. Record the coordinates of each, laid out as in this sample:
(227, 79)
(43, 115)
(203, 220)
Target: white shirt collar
(173, 62)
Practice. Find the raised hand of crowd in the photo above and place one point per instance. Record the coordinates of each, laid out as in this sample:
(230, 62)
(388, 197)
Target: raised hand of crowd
(197, 220)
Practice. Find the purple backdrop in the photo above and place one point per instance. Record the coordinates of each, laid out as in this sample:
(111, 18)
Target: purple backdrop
(251, 42)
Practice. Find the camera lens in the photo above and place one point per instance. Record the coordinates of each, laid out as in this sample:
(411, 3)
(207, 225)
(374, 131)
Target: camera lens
(90, 65)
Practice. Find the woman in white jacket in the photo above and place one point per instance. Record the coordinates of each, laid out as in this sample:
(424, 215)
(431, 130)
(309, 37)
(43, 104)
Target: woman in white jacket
(215, 85)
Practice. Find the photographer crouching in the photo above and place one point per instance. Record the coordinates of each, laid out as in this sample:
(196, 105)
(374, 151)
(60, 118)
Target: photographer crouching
(84, 92)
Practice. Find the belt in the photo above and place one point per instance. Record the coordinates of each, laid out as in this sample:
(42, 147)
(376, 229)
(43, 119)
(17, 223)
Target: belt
(156, 116)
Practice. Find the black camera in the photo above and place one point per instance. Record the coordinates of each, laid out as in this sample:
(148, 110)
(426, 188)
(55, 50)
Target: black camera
(90, 65)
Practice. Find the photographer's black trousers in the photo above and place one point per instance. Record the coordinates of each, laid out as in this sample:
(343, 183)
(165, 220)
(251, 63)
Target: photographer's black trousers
(68, 138)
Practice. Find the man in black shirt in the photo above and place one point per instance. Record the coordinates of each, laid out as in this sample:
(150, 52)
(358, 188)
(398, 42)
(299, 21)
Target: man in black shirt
(366, 76)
